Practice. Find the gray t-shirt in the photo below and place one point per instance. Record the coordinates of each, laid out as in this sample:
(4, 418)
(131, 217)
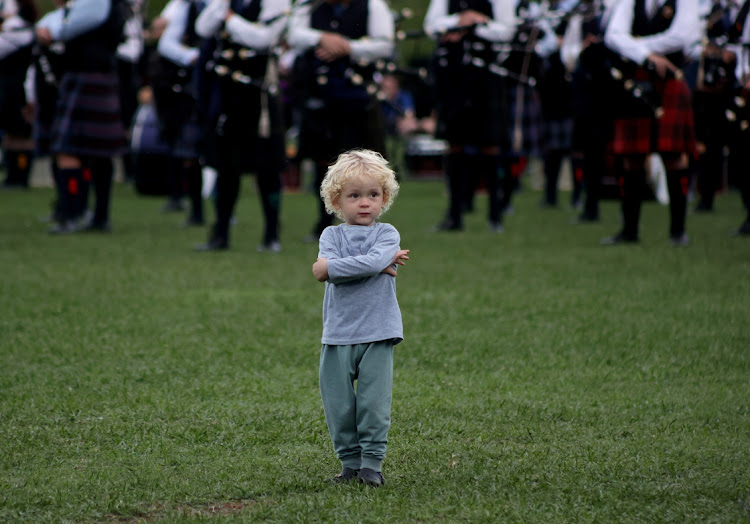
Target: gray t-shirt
(360, 303)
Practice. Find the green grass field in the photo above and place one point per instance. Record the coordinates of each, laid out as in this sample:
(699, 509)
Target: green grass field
(543, 378)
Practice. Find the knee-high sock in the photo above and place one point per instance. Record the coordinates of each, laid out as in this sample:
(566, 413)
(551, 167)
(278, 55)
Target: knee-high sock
(194, 179)
(69, 195)
(227, 192)
(17, 167)
(455, 164)
(552, 165)
(269, 188)
(677, 184)
(594, 166)
(101, 177)
(488, 166)
(577, 167)
(632, 186)
(710, 168)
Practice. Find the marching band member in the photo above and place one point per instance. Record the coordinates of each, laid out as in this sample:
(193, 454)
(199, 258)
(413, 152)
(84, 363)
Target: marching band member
(532, 42)
(469, 97)
(338, 42)
(739, 45)
(172, 83)
(87, 131)
(654, 35)
(714, 86)
(16, 41)
(242, 109)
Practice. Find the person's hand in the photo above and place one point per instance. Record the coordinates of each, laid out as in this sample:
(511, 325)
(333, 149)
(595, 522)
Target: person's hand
(320, 269)
(229, 15)
(471, 17)
(27, 111)
(400, 258)
(332, 46)
(43, 36)
(662, 65)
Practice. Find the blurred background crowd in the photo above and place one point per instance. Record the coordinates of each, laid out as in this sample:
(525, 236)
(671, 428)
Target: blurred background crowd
(627, 99)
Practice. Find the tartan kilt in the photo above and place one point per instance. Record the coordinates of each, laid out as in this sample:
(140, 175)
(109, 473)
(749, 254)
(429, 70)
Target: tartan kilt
(558, 134)
(327, 132)
(87, 117)
(189, 141)
(470, 109)
(531, 124)
(673, 132)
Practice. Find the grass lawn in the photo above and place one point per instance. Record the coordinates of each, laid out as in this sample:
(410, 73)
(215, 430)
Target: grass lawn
(543, 378)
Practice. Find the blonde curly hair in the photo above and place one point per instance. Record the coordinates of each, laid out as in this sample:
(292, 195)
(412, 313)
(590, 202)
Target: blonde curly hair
(354, 164)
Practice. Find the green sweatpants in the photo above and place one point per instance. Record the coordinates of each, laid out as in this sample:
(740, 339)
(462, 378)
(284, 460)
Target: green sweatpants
(358, 418)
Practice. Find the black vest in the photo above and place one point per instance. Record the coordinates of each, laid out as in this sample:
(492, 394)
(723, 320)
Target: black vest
(236, 57)
(661, 21)
(341, 83)
(94, 51)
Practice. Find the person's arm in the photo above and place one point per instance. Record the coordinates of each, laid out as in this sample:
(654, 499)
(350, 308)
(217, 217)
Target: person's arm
(78, 18)
(379, 42)
(16, 34)
(379, 257)
(502, 27)
(260, 35)
(170, 44)
(301, 35)
(681, 33)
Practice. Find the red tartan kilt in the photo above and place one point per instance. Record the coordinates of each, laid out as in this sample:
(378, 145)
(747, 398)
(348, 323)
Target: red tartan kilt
(673, 132)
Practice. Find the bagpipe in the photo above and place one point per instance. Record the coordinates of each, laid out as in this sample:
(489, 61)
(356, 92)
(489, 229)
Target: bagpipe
(516, 60)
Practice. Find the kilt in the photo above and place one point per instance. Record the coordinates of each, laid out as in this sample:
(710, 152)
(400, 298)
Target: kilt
(327, 132)
(87, 118)
(558, 134)
(674, 132)
(12, 100)
(189, 140)
(531, 124)
(470, 107)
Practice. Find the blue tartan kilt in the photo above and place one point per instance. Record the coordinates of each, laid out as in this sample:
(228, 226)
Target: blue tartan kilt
(87, 118)
(188, 144)
(558, 134)
(529, 118)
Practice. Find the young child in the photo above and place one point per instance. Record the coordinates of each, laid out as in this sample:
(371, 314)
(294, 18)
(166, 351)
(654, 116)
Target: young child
(361, 319)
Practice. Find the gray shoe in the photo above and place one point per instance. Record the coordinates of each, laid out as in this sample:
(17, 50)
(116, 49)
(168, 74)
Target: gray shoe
(371, 477)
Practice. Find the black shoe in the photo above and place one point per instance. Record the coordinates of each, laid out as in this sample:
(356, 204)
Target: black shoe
(370, 477)
(448, 225)
(192, 221)
(215, 244)
(744, 229)
(681, 240)
(172, 206)
(346, 475)
(619, 238)
(63, 228)
(97, 227)
(496, 227)
(585, 218)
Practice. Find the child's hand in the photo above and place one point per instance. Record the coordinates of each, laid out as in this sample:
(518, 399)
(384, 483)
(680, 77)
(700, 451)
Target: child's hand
(320, 269)
(400, 259)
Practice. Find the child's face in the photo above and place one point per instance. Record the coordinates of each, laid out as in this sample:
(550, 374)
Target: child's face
(360, 201)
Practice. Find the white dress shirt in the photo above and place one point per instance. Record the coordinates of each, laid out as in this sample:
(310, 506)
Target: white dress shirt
(379, 42)
(681, 35)
(501, 28)
(257, 35)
